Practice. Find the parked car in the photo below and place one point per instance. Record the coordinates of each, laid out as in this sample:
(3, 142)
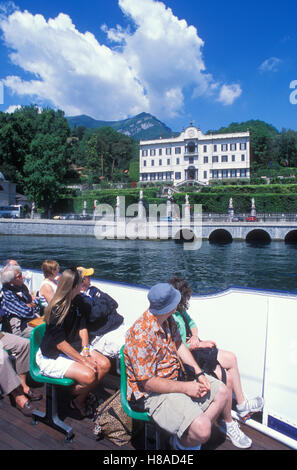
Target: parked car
(72, 217)
(237, 219)
(251, 218)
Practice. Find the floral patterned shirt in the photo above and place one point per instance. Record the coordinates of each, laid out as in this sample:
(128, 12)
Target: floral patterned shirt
(149, 352)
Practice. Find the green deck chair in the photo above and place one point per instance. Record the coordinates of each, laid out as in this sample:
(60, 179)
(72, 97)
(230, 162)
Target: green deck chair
(50, 416)
(142, 416)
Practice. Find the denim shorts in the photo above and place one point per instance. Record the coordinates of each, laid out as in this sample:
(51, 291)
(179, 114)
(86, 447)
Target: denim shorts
(175, 412)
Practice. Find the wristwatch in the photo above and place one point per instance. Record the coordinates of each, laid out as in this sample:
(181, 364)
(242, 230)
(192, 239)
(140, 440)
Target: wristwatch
(198, 375)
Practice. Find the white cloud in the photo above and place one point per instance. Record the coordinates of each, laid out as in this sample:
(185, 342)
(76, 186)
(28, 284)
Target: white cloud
(270, 65)
(229, 93)
(11, 109)
(146, 69)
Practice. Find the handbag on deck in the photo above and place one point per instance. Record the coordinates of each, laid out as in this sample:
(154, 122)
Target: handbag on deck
(111, 421)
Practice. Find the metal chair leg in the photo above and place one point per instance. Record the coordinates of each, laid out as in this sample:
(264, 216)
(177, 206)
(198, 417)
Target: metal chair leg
(50, 416)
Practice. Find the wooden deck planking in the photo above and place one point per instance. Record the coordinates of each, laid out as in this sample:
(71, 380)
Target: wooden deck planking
(17, 432)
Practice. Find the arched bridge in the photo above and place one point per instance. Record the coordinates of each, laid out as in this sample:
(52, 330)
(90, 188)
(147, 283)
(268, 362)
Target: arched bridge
(244, 231)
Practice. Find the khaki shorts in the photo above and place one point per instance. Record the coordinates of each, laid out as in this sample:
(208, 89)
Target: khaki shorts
(175, 412)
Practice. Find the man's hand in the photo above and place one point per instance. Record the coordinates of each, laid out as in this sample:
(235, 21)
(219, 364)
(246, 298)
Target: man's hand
(195, 389)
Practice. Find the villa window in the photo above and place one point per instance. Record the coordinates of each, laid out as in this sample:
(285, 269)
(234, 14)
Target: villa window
(215, 159)
(243, 146)
(168, 151)
(178, 175)
(224, 158)
(232, 146)
(160, 152)
(152, 152)
(242, 158)
(205, 159)
(224, 147)
(177, 150)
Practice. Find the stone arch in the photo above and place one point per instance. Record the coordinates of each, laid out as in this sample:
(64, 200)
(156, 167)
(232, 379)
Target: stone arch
(291, 237)
(258, 236)
(220, 236)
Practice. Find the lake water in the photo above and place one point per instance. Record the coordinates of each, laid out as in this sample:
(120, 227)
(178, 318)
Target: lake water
(212, 268)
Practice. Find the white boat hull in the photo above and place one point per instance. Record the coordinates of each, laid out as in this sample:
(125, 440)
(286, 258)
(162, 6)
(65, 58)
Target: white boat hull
(259, 326)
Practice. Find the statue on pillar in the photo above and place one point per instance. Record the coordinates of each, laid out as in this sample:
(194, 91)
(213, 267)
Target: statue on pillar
(231, 209)
(253, 209)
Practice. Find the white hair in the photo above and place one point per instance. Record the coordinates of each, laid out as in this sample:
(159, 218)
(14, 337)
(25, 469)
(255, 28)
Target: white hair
(8, 273)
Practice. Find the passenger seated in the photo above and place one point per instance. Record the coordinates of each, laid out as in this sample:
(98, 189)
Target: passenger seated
(105, 325)
(48, 287)
(65, 350)
(13, 383)
(226, 359)
(185, 409)
(18, 305)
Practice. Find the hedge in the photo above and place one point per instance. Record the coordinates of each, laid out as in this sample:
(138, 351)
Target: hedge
(219, 203)
(275, 201)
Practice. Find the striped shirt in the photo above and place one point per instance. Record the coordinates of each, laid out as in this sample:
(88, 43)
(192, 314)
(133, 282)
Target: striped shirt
(15, 300)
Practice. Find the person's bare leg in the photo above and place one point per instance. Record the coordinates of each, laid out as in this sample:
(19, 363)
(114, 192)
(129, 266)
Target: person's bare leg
(228, 361)
(86, 381)
(102, 362)
(200, 429)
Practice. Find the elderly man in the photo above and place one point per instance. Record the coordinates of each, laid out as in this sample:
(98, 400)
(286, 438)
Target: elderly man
(18, 305)
(153, 346)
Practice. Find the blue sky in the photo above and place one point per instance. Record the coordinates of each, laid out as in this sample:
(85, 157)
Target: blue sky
(211, 63)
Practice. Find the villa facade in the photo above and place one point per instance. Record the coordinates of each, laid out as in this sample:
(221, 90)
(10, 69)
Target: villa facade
(194, 156)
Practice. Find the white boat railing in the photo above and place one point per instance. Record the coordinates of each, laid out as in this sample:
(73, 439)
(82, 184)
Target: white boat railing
(259, 326)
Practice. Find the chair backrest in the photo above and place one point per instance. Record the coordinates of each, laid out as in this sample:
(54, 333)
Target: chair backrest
(143, 416)
(35, 341)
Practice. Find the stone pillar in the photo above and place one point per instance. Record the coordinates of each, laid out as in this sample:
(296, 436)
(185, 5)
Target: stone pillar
(187, 213)
(230, 209)
(141, 208)
(253, 209)
(117, 209)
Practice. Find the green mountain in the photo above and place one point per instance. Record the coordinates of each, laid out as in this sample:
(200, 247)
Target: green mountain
(144, 126)
(255, 126)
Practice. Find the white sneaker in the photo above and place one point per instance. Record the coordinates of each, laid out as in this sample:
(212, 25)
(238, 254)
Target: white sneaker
(176, 445)
(233, 432)
(250, 406)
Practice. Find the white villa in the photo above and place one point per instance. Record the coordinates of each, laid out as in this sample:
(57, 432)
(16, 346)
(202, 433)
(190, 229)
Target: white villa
(193, 156)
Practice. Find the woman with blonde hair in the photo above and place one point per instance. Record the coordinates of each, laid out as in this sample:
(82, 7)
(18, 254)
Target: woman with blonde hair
(64, 350)
(48, 287)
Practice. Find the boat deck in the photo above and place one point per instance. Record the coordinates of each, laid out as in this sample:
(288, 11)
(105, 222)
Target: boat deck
(18, 433)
